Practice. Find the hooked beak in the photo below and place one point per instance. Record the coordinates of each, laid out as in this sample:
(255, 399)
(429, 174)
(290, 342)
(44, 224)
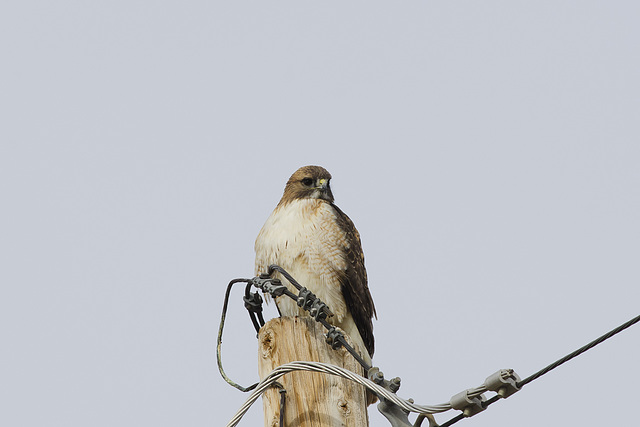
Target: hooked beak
(322, 186)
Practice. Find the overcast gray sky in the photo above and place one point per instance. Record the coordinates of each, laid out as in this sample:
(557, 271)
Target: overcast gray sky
(487, 152)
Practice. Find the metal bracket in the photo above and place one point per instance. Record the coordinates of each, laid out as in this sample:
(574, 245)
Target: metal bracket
(504, 382)
(333, 338)
(273, 287)
(305, 298)
(315, 306)
(468, 405)
(253, 302)
(397, 416)
(319, 310)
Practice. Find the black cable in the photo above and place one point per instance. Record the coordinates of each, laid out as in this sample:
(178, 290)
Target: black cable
(283, 401)
(253, 304)
(452, 420)
(340, 338)
(343, 342)
(261, 319)
(219, 343)
(286, 275)
(554, 365)
(578, 351)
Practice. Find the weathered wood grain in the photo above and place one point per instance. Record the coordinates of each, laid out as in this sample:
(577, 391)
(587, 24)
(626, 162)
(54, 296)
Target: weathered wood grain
(312, 399)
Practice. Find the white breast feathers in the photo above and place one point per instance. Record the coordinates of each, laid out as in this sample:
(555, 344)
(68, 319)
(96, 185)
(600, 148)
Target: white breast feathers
(303, 238)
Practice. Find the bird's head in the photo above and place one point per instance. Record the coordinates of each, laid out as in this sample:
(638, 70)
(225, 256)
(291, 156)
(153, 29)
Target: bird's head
(308, 182)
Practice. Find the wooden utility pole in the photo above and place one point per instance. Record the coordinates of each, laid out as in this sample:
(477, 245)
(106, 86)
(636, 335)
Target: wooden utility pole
(312, 399)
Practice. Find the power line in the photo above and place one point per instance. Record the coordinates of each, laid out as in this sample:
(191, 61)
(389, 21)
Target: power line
(554, 365)
(579, 351)
(505, 382)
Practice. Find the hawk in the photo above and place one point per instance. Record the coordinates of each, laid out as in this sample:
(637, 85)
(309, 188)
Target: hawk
(317, 243)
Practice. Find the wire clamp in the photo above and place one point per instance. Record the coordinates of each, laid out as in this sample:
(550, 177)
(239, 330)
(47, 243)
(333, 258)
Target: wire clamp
(397, 416)
(319, 310)
(333, 338)
(253, 302)
(274, 287)
(314, 305)
(504, 382)
(468, 405)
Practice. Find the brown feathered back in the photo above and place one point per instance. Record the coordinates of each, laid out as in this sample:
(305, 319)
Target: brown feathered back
(355, 287)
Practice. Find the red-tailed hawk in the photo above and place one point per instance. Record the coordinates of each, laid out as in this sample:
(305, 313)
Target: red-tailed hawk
(312, 239)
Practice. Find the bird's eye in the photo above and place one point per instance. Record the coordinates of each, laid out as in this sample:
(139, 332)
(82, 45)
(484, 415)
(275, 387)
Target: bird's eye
(307, 181)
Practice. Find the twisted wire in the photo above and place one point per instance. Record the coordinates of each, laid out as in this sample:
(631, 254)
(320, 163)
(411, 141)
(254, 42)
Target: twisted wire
(281, 370)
